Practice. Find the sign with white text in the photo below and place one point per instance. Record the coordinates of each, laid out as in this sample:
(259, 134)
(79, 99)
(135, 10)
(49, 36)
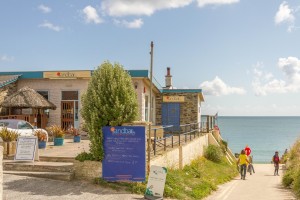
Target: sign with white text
(125, 153)
(156, 182)
(26, 148)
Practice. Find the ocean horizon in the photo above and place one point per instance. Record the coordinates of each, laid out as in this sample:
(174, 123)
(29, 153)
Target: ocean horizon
(263, 134)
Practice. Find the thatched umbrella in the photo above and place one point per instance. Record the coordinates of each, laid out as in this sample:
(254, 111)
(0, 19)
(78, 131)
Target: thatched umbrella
(27, 98)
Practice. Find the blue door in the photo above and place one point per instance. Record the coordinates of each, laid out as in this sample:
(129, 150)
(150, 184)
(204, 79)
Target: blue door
(171, 115)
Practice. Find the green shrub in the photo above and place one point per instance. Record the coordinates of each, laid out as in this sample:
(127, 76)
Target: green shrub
(110, 100)
(287, 179)
(213, 153)
(296, 183)
(84, 156)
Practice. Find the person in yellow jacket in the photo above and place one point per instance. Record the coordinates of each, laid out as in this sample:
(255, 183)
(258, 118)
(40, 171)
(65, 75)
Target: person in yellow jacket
(242, 161)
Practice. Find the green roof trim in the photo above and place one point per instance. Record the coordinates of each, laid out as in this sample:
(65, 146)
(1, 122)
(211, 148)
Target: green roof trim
(39, 74)
(138, 73)
(181, 90)
(25, 75)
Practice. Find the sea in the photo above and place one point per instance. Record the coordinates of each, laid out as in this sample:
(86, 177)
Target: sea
(264, 135)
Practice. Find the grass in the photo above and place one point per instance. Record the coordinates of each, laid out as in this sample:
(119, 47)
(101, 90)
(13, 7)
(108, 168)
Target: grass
(291, 178)
(195, 181)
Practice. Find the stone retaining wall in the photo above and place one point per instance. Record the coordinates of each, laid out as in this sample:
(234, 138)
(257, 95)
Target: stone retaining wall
(1, 172)
(182, 155)
(87, 170)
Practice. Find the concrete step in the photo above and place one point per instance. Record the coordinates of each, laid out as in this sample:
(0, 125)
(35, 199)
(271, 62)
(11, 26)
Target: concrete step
(56, 159)
(10, 165)
(64, 176)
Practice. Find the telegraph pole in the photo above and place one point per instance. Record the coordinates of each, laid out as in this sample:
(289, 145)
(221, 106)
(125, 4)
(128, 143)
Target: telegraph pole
(150, 116)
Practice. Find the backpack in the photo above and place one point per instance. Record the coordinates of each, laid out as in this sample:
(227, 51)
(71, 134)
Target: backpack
(276, 159)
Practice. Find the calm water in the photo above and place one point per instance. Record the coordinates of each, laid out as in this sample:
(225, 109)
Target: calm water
(264, 135)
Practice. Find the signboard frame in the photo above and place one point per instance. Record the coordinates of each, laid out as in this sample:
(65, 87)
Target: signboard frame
(125, 153)
(156, 182)
(31, 154)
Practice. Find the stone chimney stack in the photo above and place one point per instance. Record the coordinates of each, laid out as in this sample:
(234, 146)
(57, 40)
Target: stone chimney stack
(168, 79)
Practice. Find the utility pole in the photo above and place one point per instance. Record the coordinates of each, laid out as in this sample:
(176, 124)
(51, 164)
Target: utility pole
(150, 116)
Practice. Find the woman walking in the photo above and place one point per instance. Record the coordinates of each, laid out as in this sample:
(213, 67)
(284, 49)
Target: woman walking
(242, 161)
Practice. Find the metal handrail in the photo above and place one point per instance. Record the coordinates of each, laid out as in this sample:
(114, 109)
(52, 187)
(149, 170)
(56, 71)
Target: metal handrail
(193, 129)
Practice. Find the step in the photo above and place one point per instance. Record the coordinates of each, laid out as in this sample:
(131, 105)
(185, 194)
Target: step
(56, 159)
(10, 165)
(64, 176)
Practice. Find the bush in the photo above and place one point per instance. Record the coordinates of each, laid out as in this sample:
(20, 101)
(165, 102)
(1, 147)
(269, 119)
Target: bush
(110, 100)
(213, 153)
(84, 156)
(287, 179)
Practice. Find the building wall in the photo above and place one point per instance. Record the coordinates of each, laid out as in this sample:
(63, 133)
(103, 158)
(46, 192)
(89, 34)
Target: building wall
(189, 109)
(54, 88)
(142, 90)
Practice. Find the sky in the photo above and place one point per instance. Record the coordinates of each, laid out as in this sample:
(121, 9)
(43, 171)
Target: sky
(244, 55)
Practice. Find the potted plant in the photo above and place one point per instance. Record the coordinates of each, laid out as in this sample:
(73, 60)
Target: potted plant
(58, 134)
(9, 138)
(42, 138)
(75, 132)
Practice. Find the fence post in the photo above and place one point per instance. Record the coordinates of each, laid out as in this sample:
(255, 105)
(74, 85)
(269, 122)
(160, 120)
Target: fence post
(172, 141)
(165, 144)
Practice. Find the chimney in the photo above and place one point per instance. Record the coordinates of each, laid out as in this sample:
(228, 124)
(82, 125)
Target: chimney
(168, 79)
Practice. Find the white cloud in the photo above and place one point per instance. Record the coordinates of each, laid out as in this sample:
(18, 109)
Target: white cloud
(265, 83)
(137, 23)
(50, 26)
(202, 3)
(284, 14)
(44, 9)
(217, 87)
(6, 58)
(91, 15)
(118, 8)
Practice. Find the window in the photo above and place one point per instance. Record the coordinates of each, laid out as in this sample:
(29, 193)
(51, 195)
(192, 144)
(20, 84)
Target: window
(24, 125)
(146, 108)
(45, 94)
(69, 95)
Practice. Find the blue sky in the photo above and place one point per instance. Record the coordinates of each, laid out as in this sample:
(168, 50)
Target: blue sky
(244, 55)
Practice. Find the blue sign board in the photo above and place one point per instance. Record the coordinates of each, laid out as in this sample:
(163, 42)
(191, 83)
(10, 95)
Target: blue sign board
(125, 153)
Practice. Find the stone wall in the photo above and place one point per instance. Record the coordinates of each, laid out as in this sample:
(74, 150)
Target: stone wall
(1, 172)
(189, 109)
(5, 92)
(87, 170)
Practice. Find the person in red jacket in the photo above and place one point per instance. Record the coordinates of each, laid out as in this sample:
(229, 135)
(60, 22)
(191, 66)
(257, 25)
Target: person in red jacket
(247, 150)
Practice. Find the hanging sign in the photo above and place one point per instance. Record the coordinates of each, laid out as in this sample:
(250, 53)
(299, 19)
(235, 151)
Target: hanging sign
(125, 153)
(156, 182)
(27, 149)
(177, 99)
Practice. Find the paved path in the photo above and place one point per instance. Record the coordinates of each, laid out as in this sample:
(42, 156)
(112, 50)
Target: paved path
(262, 185)
(27, 188)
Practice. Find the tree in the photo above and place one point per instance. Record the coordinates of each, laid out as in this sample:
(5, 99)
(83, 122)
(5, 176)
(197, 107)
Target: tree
(110, 100)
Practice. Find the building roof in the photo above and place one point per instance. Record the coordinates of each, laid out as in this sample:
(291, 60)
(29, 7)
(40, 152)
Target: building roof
(169, 91)
(7, 79)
